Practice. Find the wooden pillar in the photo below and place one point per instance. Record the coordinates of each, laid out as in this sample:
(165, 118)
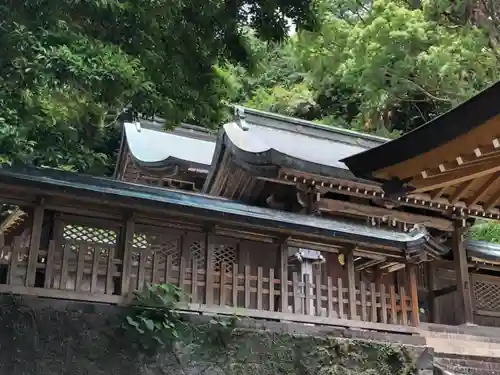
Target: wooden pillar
(351, 283)
(431, 287)
(36, 233)
(411, 277)
(462, 271)
(377, 279)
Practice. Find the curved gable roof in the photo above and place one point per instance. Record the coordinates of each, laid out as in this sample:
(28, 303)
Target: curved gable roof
(268, 139)
(153, 148)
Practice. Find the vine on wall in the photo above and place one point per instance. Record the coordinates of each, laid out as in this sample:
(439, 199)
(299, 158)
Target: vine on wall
(221, 347)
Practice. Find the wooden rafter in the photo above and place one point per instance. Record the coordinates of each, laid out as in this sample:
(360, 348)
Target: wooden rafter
(457, 176)
(234, 183)
(492, 201)
(461, 190)
(432, 173)
(437, 193)
(481, 192)
(14, 217)
(479, 154)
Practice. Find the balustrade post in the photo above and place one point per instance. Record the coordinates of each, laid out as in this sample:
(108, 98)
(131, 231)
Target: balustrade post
(462, 271)
(351, 283)
(283, 255)
(128, 243)
(36, 233)
(209, 269)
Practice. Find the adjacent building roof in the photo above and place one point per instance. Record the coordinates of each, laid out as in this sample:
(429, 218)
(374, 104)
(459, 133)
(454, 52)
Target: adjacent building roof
(264, 143)
(482, 251)
(459, 150)
(186, 146)
(268, 139)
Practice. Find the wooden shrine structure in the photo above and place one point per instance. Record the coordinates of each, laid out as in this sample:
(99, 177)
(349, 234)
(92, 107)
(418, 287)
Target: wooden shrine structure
(272, 217)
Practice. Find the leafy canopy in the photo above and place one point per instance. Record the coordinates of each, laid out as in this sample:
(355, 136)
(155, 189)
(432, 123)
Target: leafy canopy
(71, 68)
(383, 66)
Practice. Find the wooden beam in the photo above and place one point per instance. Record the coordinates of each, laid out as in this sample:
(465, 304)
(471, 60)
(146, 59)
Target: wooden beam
(462, 271)
(481, 192)
(369, 264)
(492, 201)
(456, 176)
(350, 208)
(460, 191)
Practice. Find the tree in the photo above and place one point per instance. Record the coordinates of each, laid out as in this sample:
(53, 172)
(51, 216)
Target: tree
(383, 66)
(70, 69)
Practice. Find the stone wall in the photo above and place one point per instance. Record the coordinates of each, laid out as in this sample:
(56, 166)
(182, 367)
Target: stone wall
(466, 349)
(49, 337)
(471, 365)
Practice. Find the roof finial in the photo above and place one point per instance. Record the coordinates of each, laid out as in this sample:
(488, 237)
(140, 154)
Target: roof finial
(138, 126)
(239, 114)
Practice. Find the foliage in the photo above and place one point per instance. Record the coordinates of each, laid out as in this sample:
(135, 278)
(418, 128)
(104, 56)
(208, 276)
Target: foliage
(383, 66)
(70, 69)
(155, 316)
(486, 231)
(222, 347)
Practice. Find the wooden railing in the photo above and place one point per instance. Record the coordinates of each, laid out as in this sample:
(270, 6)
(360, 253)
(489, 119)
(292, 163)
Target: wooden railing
(261, 290)
(94, 273)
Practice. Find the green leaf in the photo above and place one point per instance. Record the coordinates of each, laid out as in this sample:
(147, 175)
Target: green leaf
(132, 322)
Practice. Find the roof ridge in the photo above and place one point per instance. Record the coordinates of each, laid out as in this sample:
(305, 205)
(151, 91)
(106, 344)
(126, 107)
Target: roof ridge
(313, 125)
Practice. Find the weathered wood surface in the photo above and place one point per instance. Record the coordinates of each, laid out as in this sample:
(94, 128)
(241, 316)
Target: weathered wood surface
(94, 273)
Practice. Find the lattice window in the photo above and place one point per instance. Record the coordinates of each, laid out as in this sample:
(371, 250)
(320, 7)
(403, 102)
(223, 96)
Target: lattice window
(80, 233)
(487, 295)
(162, 245)
(224, 253)
(197, 251)
(77, 235)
